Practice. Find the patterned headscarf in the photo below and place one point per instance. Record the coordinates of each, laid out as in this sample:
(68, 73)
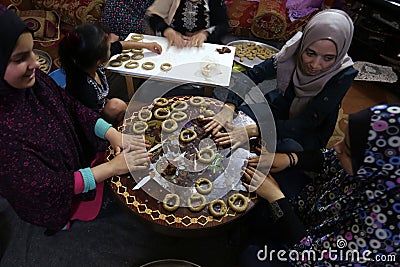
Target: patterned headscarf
(360, 212)
(382, 154)
(329, 24)
(12, 27)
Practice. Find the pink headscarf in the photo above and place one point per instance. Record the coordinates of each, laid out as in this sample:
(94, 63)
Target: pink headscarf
(330, 24)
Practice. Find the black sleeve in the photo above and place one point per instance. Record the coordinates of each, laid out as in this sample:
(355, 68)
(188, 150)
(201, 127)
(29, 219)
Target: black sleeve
(257, 74)
(287, 223)
(85, 94)
(322, 106)
(219, 19)
(310, 160)
(262, 71)
(157, 24)
(239, 86)
(115, 48)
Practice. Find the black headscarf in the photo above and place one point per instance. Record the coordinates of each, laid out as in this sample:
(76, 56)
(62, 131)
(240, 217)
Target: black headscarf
(12, 27)
(359, 124)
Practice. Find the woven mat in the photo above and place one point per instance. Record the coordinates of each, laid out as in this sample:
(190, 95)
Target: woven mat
(374, 73)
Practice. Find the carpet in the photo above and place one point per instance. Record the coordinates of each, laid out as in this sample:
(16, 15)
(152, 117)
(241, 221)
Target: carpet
(375, 73)
(115, 238)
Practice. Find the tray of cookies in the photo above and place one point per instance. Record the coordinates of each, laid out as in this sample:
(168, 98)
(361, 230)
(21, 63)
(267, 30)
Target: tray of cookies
(194, 183)
(44, 60)
(249, 53)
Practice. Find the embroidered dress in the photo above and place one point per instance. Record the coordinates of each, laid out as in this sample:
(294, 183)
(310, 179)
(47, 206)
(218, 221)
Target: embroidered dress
(187, 17)
(86, 89)
(192, 16)
(100, 89)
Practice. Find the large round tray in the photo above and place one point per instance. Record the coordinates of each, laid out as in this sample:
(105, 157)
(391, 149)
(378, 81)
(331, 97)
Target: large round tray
(182, 220)
(247, 62)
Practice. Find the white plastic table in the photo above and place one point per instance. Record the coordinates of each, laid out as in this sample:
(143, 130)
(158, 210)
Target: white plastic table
(203, 66)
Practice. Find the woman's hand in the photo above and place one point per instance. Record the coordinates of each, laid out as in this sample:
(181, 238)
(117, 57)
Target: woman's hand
(220, 120)
(153, 47)
(264, 185)
(235, 136)
(280, 161)
(130, 142)
(134, 142)
(174, 38)
(130, 161)
(197, 39)
(115, 139)
(136, 159)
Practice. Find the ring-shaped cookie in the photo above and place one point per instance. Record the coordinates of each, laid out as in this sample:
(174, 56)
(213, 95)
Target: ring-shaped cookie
(222, 208)
(179, 106)
(115, 63)
(161, 113)
(206, 155)
(137, 50)
(123, 57)
(166, 66)
(137, 37)
(139, 127)
(145, 115)
(41, 60)
(169, 125)
(148, 65)
(44, 67)
(203, 186)
(196, 100)
(187, 135)
(160, 101)
(168, 204)
(137, 56)
(131, 65)
(238, 202)
(178, 116)
(195, 198)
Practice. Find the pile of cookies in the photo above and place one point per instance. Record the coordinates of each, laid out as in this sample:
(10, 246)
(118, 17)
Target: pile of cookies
(197, 201)
(252, 50)
(173, 114)
(130, 58)
(44, 63)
